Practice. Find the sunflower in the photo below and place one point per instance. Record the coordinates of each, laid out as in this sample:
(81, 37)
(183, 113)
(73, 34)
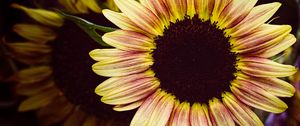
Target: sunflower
(46, 77)
(194, 62)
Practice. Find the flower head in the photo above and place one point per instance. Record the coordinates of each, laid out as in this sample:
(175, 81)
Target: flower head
(194, 62)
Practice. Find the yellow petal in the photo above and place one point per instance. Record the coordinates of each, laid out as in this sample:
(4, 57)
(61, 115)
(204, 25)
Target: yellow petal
(177, 9)
(204, 8)
(33, 75)
(127, 107)
(42, 16)
(35, 33)
(29, 49)
(218, 8)
(92, 4)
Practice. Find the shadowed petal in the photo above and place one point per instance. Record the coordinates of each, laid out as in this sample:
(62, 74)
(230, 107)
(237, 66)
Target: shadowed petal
(261, 67)
(273, 85)
(199, 115)
(243, 115)
(129, 40)
(263, 37)
(219, 113)
(257, 16)
(235, 12)
(257, 97)
(141, 16)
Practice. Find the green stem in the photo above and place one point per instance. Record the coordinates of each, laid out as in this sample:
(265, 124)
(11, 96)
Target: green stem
(88, 27)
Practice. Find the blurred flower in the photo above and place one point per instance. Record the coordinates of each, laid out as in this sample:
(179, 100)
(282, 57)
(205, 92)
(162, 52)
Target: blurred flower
(56, 95)
(194, 62)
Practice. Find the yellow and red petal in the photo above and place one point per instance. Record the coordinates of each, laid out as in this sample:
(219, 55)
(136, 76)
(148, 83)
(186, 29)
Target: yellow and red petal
(256, 17)
(204, 8)
(106, 54)
(181, 115)
(218, 8)
(261, 67)
(127, 107)
(199, 115)
(159, 8)
(263, 37)
(219, 114)
(129, 40)
(141, 16)
(242, 114)
(257, 97)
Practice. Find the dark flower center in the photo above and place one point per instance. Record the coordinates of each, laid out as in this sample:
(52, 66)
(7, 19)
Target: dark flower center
(193, 60)
(73, 74)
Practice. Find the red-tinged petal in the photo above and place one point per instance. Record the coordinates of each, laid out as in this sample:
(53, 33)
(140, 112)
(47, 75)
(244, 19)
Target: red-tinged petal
(106, 54)
(143, 114)
(199, 115)
(181, 115)
(159, 8)
(115, 82)
(261, 67)
(218, 8)
(257, 97)
(177, 9)
(263, 37)
(219, 113)
(243, 115)
(141, 16)
(129, 40)
(127, 107)
(270, 51)
(235, 12)
(121, 20)
(131, 93)
(273, 85)
(191, 11)
(162, 112)
(257, 16)
(204, 8)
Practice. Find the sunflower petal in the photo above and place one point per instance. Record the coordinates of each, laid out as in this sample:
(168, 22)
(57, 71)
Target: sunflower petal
(121, 20)
(127, 107)
(235, 12)
(275, 86)
(131, 93)
(181, 115)
(143, 114)
(92, 4)
(199, 115)
(141, 16)
(162, 112)
(204, 8)
(257, 97)
(129, 40)
(107, 54)
(29, 49)
(159, 8)
(268, 52)
(219, 113)
(243, 114)
(36, 33)
(263, 37)
(38, 101)
(261, 67)
(191, 11)
(257, 16)
(42, 16)
(33, 89)
(76, 118)
(218, 8)
(33, 75)
(177, 9)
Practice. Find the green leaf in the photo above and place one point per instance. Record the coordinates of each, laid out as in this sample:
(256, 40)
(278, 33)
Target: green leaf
(88, 27)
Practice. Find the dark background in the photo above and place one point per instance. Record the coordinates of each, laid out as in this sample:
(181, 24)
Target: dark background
(288, 14)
